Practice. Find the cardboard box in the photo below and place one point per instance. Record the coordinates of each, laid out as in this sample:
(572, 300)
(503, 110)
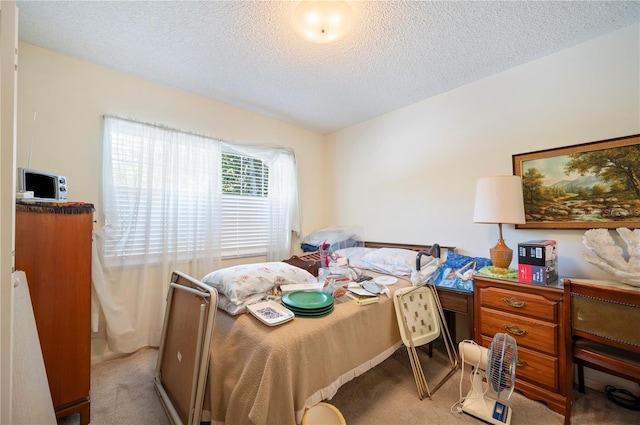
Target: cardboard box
(537, 253)
(537, 262)
(539, 275)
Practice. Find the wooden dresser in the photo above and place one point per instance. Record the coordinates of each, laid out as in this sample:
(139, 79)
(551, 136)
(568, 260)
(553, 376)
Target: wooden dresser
(53, 248)
(538, 318)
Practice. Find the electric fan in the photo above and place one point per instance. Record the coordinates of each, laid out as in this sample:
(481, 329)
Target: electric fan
(498, 365)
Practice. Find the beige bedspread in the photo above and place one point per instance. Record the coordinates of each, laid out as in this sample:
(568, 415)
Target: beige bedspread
(267, 375)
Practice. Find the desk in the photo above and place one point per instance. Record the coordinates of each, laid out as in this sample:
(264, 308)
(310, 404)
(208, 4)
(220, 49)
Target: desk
(454, 301)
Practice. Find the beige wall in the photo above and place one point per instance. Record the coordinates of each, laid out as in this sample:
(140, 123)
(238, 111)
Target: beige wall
(409, 176)
(69, 97)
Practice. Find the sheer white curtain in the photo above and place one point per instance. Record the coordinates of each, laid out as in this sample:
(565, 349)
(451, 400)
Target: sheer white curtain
(161, 193)
(163, 200)
(283, 200)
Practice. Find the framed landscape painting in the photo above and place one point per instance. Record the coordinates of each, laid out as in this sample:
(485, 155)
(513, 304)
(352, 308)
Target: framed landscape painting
(592, 185)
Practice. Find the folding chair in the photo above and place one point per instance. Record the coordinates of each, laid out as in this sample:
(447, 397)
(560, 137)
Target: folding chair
(421, 320)
(183, 357)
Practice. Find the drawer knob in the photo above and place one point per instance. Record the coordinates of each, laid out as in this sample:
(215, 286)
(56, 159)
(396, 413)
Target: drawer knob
(521, 363)
(514, 302)
(513, 329)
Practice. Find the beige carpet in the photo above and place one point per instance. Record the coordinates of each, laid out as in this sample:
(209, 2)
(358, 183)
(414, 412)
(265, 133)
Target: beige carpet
(387, 395)
(122, 393)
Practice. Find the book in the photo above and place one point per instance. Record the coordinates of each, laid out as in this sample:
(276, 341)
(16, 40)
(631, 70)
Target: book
(270, 312)
(301, 287)
(363, 299)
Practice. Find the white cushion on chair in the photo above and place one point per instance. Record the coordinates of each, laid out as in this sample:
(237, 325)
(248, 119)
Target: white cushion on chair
(418, 308)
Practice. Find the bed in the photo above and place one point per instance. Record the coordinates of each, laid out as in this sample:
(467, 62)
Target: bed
(269, 375)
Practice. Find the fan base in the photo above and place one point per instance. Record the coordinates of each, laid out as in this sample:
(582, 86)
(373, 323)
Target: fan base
(491, 411)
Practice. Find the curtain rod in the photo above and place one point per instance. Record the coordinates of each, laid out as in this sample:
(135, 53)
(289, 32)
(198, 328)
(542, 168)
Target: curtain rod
(192, 133)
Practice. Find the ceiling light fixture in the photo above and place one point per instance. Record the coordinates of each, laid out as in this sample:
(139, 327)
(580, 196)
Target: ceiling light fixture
(322, 21)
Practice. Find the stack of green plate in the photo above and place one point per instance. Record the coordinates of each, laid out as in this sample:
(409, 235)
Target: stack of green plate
(308, 303)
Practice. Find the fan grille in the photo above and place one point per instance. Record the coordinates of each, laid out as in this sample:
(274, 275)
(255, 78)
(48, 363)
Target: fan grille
(501, 366)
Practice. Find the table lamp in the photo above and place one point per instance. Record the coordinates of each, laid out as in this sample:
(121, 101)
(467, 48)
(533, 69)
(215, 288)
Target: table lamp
(499, 200)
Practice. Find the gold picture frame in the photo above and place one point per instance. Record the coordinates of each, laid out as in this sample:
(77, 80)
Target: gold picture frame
(591, 185)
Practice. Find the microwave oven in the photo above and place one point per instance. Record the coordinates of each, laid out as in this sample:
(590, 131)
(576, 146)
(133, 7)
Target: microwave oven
(45, 186)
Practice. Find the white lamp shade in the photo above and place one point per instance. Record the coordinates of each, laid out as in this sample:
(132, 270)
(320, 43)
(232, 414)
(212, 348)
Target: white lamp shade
(499, 200)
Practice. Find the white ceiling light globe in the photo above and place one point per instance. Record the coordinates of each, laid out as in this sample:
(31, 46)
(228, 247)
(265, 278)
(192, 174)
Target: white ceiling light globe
(322, 21)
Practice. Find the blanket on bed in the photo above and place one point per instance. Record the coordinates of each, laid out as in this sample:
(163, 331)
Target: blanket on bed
(267, 375)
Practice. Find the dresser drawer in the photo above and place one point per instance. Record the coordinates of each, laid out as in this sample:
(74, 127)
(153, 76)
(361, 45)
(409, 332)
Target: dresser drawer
(454, 302)
(531, 305)
(537, 368)
(531, 333)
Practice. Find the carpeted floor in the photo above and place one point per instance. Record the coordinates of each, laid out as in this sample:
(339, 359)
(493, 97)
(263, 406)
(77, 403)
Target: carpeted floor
(122, 393)
(387, 394)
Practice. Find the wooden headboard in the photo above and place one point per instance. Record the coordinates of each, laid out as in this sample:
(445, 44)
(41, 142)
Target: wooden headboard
(404, 246)
(310, 261)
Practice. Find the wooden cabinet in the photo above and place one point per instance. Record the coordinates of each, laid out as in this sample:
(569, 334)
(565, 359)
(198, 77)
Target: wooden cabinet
(538, 318)
(53, 248)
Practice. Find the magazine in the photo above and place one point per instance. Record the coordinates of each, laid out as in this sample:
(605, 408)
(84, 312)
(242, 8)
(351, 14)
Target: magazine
(448, 278)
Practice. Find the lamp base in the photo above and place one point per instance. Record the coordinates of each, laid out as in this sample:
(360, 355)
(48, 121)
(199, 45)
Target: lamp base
(501, 255)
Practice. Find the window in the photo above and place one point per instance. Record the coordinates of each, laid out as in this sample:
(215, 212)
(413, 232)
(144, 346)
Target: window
(158, 192)
(171, 194)
(245, 205)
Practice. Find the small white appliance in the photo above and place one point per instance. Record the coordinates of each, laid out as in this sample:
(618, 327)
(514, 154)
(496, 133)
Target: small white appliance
(44, 186)
(498, 365)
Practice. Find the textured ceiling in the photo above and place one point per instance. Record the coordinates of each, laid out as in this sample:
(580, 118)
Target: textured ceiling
(246, 53)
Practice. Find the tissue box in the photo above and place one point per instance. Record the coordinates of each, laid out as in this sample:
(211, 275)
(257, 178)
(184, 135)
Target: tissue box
(537, 262)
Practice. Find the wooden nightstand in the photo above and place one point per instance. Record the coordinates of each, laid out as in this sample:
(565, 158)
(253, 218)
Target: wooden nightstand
(538, 318)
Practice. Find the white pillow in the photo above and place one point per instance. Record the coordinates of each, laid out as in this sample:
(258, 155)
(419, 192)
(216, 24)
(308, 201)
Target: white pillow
(333, 235)
(241, 285)
(354, 253)
(398, 261)
(234, 309)
(390, 256)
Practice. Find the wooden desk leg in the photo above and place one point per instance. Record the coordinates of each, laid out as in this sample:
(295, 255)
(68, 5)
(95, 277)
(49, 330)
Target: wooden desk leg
(580, 378)
(470, 316)
(451, 324)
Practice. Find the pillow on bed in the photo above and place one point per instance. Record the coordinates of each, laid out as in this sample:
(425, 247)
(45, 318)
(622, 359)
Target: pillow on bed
(398, 261)
(233, 309)
(241, 285)
(353, 254)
